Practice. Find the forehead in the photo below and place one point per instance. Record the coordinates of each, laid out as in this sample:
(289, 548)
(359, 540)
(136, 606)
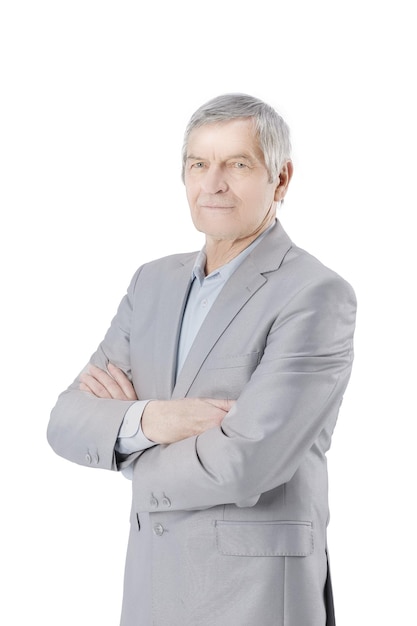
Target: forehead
(237, 136)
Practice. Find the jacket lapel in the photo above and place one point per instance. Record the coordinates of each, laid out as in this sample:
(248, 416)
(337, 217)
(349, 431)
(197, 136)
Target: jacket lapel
(242, 285)
(173, 292)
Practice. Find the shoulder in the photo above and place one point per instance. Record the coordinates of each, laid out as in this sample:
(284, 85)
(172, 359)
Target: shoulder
(171, 262)
(310, 267)
(292, 272)
(284, 263)
(163, 268)
(306, 276)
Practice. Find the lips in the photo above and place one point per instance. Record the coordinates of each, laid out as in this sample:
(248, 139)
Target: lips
(216, 206)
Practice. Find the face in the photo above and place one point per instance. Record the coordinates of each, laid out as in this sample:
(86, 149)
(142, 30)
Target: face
(227, 182)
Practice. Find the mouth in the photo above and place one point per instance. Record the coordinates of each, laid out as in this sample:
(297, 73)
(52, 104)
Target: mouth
(216, 206)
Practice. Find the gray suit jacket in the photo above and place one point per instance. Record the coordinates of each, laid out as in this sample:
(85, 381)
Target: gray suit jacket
(228, 528)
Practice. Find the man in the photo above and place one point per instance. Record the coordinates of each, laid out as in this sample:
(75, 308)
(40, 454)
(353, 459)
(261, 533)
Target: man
(216, 390)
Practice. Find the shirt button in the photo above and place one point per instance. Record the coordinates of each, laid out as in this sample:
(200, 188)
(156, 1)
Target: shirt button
(204, 303)
(153, 502)
(158, 530)
(166, 501)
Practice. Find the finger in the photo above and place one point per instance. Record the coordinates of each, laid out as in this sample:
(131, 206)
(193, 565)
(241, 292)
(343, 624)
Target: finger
(219, 403)
(92, 385)
(123, 381)
(105, 380)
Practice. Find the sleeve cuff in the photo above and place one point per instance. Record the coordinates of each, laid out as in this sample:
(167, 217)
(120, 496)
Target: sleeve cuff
(131, 438)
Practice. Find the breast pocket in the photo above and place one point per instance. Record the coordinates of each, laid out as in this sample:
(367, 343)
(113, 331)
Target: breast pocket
(226, 376)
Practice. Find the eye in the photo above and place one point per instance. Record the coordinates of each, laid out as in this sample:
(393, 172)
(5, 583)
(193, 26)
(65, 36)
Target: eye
(198, 165)
(239, 165)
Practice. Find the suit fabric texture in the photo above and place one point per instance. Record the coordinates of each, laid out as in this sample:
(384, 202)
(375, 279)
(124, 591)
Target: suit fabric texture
(227, 528)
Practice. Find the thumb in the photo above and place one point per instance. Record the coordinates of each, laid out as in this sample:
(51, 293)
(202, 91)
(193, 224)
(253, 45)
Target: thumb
(221, 403)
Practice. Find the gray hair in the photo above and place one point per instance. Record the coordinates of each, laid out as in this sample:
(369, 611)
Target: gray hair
(272, 131)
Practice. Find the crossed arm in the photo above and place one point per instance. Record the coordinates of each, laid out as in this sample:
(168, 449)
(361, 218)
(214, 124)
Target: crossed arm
(163, 421)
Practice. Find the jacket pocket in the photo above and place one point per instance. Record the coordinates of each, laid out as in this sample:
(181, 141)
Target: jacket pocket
(250, 360)
(272, 538)
(226, 376)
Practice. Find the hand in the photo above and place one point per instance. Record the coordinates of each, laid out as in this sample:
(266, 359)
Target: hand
(111, 384)
(167, 421)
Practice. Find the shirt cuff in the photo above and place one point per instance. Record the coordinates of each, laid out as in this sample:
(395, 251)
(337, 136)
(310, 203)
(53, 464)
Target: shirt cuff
(131, 438)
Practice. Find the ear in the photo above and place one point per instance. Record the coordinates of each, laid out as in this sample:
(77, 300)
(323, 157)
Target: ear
(284, 178)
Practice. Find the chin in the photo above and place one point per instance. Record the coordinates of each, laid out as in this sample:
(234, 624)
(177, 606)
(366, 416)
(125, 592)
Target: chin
(223, 235)
(217, 231)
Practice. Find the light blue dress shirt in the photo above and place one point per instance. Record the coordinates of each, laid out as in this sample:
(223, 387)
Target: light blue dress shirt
(203, 293)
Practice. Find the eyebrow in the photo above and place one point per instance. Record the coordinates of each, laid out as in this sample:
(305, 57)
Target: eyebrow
(246, 157)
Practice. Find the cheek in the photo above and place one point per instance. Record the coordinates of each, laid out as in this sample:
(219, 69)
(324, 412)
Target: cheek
(268, 197)
(256, 200)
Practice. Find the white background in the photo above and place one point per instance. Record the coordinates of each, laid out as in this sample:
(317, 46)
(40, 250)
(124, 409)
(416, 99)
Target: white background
(95, 96)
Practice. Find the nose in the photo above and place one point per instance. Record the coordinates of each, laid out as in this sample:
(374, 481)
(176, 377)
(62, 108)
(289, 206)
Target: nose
(214, 180)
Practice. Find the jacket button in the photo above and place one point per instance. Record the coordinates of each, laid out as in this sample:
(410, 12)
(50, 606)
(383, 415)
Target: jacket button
(88, 458)
(159, 530)
(166, 501)
(153, 502)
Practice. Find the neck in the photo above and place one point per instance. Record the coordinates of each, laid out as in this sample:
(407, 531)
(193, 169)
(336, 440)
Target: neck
(222, 251)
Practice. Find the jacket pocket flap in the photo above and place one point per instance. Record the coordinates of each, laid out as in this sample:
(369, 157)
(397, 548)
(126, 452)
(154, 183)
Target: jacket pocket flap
(274, 538)
(232, 361)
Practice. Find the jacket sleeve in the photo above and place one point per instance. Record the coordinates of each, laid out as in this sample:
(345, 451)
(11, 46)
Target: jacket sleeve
(83, 428)
(291, 400)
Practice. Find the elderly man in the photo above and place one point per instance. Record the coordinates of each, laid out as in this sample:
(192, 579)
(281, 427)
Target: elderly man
(216, 390)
